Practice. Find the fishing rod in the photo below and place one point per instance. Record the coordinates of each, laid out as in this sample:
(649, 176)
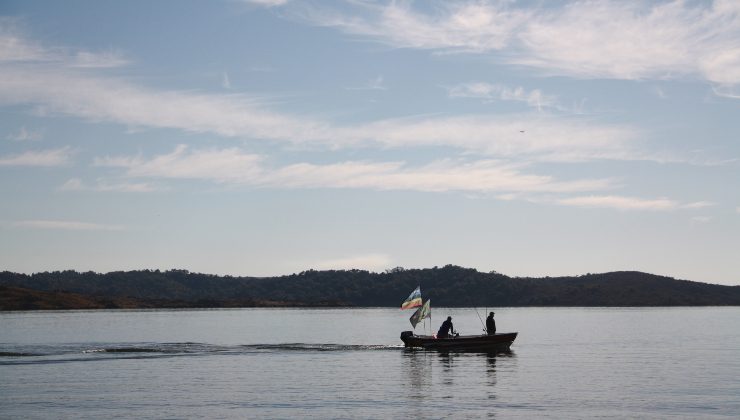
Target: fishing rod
(481, 319)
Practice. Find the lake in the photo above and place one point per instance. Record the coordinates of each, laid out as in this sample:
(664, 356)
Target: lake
(350, 363)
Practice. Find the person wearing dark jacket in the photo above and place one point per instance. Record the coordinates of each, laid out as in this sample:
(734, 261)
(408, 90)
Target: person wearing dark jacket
(490, 324)
(446, 329)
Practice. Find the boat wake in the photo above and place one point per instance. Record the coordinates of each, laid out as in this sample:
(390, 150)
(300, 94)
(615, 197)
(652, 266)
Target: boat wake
(319, 347)
(30, 354)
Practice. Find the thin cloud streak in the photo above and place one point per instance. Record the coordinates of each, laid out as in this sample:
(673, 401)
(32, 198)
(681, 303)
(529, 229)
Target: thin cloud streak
(506, 180)
(267, 3)
(24, 134)
(633, 203)
(108, 99)
(107, 59)
(15, 48)
(43, 158)
(64, 225)
(233, 166)
(534, 98)
(699, 205)
(375, 84)
(545, 137)
(370, 262)
(76, 184)
(620, 203)
(225, 165)
(726, 91)
(469, 27)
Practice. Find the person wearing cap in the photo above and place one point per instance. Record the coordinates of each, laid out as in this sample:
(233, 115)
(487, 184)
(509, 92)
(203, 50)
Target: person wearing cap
(490, 324)
(446, 329)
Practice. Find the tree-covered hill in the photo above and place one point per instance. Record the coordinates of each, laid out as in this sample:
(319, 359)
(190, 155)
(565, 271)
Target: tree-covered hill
(450, 286)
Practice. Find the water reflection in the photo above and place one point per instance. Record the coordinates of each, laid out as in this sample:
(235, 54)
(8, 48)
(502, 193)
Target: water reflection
(491, 376)
(424, 368)
(418, 372)
(447, 360)
(491, 363)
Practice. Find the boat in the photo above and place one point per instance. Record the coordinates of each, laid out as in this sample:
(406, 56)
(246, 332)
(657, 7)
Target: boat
(499, 342)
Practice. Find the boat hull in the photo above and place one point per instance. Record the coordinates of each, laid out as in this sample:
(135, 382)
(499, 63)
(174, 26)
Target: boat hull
(495, 342)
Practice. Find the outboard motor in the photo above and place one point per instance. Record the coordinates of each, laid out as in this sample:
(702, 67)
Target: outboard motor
(406, 335)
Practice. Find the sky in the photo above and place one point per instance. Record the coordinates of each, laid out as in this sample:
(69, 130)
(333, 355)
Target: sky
(267, 137)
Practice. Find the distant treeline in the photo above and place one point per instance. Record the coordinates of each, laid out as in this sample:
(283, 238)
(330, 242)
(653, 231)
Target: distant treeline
(449, 286)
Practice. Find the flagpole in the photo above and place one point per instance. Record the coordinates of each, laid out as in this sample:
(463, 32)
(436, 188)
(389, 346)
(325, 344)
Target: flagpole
(430, 319)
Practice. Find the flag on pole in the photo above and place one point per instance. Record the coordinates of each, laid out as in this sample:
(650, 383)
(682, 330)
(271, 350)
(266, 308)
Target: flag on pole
(425, 311)
(414, 299)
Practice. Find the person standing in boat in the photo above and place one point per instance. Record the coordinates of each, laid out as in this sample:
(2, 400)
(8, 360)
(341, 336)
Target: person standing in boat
(490, 324)
(446, 329)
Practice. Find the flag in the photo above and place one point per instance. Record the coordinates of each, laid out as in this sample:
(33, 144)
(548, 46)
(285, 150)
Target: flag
(425, 311)
(414, 299)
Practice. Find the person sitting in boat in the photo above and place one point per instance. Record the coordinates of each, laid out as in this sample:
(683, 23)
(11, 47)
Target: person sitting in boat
(446, 329)
(490, 324)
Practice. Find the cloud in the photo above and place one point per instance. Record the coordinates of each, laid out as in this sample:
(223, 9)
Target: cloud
(64, 225)
(75, 184)
(546, 138)
(24, 134)
(233, 166)
(70, 83)
(112, 100)
(633, 203)
(99, 99)
(731, 92)
(370, 262)
(469, 27)
(659, 92)
(534, 98)
(267, 3)
(225, 82)
(225, 165)
(106, 59)
(439, 176)
(52, 157)
(375, 84)
(627, 40)
(699, 205)
(620, 203)
(584, 39)
(701, 219)
(15, 48)
(63, 89)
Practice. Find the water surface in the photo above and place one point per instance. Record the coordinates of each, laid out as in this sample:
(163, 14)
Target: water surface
(349, 363)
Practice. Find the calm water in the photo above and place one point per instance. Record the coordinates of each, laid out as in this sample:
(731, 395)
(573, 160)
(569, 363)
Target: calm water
(341, 363)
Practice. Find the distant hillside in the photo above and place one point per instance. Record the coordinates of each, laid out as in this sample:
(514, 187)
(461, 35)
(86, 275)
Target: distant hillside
(22, 299)
(450, 286)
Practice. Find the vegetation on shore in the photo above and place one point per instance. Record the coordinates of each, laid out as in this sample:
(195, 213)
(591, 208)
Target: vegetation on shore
(449, 286)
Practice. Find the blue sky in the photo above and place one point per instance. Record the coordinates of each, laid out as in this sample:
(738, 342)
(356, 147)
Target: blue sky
(269, 137)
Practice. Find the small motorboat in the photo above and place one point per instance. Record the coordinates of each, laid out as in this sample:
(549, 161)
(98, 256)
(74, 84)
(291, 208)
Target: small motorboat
(495, 342)
(499, 342)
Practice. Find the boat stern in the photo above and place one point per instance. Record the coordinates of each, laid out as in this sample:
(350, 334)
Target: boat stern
(406, 336)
